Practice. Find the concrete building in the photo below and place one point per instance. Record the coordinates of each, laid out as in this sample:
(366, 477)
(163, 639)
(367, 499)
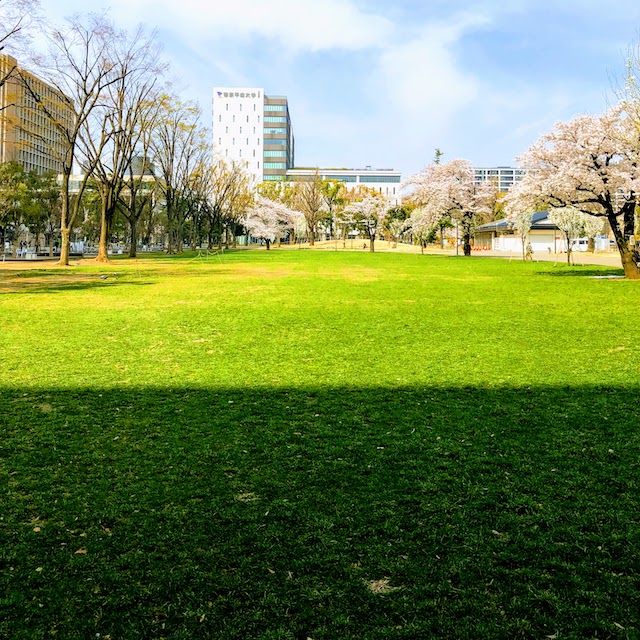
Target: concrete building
(384, 181)
(254, 129)
(27, 136)
(503, 177)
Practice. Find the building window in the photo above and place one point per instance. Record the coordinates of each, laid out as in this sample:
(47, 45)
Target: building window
(275, 107)
(234, 118)
(226, 129)
(379, 178)
(275, 154)
(226, 106)
(233, 141)
(240, 129)
(275, 165)
(258, 164)
(220, 118)
(274, 119)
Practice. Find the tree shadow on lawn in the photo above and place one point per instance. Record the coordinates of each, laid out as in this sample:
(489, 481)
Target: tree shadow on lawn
(577, 271)
(278, 513)
(51, 282)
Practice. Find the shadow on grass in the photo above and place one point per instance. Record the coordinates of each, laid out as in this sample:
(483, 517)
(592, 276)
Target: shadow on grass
(55, 281)
(323, 513)
(577, 270)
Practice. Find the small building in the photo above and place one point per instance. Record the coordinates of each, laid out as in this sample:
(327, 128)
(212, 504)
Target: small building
(499, 235)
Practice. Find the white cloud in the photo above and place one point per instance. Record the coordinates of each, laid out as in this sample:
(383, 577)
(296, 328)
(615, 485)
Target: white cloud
(299, 25)
(422, 77)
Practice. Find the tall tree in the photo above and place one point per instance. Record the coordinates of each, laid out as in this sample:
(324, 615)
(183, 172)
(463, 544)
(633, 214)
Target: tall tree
(13, 196)
(368, 211)
(310, 202)
(268, 219)
(79, 63)
(112, 135)
(334, 195)
(450, 191)
(42, 212)
(178, 148)
(591, 163)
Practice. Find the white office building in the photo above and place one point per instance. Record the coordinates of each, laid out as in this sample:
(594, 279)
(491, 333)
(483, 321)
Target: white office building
(502, 177)
(384, 181)
(254, 129)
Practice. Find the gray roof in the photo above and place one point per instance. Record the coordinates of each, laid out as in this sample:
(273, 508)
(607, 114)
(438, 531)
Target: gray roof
(539, 220)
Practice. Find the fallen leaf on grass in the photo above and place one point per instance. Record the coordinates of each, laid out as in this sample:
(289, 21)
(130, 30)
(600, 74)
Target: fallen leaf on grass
(39, 569)
(381, 586)
(246, 497)
(80, 551)
(37, 529)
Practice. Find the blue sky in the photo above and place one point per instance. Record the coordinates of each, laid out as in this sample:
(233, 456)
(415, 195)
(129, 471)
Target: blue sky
(385, 83)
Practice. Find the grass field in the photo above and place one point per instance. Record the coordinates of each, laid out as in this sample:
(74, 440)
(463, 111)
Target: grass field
(301, 445)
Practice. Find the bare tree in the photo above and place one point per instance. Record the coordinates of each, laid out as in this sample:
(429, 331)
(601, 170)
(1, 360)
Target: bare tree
(111, 137)
(229, 194)
(178, 146)
(17, 18)
(80, 65)
(310, 202)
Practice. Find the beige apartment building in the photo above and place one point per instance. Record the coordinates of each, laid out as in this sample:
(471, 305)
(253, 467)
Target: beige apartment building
(27, 136)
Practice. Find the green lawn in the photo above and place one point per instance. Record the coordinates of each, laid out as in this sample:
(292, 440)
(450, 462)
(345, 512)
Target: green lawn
(319, 445)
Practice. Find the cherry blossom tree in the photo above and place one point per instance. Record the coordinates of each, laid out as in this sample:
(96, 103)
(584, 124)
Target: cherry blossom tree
(267, 219)
(423, 223)
(590, 163)
(571, 222)
(450, 190)
(368, 213)
(519, 206)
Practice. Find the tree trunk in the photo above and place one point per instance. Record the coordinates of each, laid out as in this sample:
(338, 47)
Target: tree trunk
(628, 255)
(466, 247)
(103, 249)
(133, 246)
(64, 247)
